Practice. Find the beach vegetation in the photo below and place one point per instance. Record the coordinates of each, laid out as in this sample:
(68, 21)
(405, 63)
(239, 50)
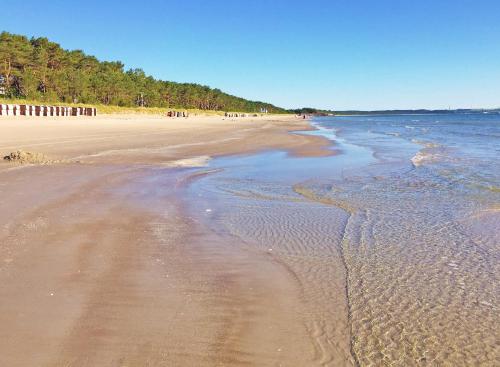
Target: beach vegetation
(39, 70)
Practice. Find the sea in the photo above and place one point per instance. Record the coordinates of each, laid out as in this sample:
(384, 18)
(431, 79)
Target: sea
(394, 238)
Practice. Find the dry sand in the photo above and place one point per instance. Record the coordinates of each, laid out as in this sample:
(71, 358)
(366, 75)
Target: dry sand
(100, 265)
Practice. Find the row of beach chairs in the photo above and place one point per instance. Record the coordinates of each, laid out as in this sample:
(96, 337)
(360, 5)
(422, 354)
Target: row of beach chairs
(234, 114)
(177, 114)
(36, 110)
(237, 114)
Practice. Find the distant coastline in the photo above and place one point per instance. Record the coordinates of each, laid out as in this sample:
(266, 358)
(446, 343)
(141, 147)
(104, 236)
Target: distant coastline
(417, 112)
(320, 112)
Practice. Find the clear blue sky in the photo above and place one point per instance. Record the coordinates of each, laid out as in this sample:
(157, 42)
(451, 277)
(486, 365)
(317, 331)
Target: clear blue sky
(350, 54)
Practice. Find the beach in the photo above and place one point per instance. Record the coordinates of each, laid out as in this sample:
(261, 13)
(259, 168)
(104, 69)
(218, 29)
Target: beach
(250, 184)
(101, 264)
(137, 240)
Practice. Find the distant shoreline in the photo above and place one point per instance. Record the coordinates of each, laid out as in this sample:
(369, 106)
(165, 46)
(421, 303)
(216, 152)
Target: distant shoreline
(493, 112)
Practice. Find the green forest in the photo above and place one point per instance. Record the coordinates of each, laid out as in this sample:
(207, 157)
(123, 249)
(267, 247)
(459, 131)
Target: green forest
(40, 70)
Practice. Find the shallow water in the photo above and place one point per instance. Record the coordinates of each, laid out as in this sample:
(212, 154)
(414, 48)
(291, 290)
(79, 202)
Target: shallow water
(394, 243)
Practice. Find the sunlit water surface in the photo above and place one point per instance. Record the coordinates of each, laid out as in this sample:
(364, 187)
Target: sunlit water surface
(394, 242)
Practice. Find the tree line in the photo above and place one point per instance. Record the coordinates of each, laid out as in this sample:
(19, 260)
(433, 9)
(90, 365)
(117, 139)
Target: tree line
(41, 70)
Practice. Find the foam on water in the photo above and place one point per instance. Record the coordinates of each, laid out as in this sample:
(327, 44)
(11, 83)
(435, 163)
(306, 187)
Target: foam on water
(200, 161)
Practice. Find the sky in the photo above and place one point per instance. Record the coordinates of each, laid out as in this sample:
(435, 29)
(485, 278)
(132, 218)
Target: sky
(331, 54)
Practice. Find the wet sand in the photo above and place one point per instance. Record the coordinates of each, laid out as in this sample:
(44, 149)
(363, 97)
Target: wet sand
(102, 264)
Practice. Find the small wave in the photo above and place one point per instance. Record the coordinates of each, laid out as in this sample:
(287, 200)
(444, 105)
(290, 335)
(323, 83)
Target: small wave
(409, 127)
(425, 156)
(327, 132)
(427, 144)
(418, 159)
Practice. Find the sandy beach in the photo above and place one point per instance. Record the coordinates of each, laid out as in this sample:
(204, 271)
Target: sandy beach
(268, 184)
(134, 240)
(100, 264)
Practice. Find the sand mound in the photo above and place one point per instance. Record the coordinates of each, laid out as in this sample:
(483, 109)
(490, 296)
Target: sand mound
(23, 157)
